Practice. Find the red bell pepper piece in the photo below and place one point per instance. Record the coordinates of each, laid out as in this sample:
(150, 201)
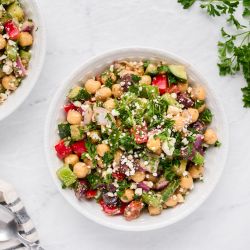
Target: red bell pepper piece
(79, 148)
(12, 30)
(112, 210)
(69, 106)
(90, 194)
(161, 82)
(62, 150)
(141, 134)
(118, 176)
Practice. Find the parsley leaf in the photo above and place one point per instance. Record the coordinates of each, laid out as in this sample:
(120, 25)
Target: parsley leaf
(206, 116)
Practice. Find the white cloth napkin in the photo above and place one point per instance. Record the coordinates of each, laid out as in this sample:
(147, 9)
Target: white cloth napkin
(10, 199)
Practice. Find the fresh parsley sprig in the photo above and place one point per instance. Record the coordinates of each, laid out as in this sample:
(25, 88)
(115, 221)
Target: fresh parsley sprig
(234, 50)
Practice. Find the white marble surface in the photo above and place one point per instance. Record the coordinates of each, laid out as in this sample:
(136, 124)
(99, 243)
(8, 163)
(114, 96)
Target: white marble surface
(79, 29)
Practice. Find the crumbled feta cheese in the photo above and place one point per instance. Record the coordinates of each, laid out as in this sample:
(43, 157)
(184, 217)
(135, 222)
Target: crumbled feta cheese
(185, 141)
(138, 191)
(115, 112)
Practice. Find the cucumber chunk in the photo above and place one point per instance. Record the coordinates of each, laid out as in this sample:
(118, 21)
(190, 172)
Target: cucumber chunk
(16, 11)
(170, 189)
(170, 100)
(6, 2)
(152, 199)
(151, 69)
(179, 71)
(66, 175)
(64, 130)
(78, 94)
(11, 52)
(76, 132)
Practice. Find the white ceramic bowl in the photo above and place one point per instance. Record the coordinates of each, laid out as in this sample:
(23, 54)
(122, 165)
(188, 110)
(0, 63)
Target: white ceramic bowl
(38, 51)
(215, 158)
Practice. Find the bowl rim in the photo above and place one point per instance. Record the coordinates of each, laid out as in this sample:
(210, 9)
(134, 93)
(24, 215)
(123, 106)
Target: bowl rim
(36, 71)
(106, 222)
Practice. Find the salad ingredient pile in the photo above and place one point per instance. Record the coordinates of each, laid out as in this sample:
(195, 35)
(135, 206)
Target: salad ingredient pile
(134, 138)
(15, 46)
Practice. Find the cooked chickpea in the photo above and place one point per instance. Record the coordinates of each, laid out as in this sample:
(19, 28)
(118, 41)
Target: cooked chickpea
(194, 113)
(118, 156)
(2, 42)
(198, 93)
(109, 104)
(182, 86)
(81, 170)
(117, 90)
(145, 79)
(88, 162)
(71, 159)
(9, 82)
(74, 117)
(210, 136)
(92, 86)
(100, 163)
(179, 123)
(172, 201)
(154, 144)
(186, 181)
(139, 176)
(103, 94)
(154, 210)
(25, 39)
(94, 136)
(196, 171)
(101, 149)
(128, 195)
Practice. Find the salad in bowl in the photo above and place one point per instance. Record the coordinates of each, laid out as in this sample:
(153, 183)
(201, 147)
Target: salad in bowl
(134, 137)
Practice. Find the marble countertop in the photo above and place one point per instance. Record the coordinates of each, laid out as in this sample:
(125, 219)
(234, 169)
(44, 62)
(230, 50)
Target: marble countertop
(79, 29)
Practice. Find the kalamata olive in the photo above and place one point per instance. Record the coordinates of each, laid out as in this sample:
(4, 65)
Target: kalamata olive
(80, 189)
(184, 99)
(108, 200)
(126, 82)
(111, 188)
(199, 126)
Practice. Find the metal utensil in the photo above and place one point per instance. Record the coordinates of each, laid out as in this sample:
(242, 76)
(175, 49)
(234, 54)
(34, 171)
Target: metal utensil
(9, 230)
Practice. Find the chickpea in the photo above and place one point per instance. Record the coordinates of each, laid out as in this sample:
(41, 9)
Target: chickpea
(88, 162)
(172, 201)
(196, 171)
(179, 123)
(194, 113)
(71, 159)
(25, 39)
(109, 104)
(145, 79)
(100, 163)
(210, 136)
(117, 90)
(182, 87)
(201, 108)
(150, 177)
(9, 82)
(180, 198)
(139, 176)
(92, 86)
(74, 117)
(81, 170)
(103, 94)
(94, 136)
(101, 149)
(198, 93)
(2, 42)
(128, 195)
(154, 210)
(118, 156)
(154, 144)
(186, 181)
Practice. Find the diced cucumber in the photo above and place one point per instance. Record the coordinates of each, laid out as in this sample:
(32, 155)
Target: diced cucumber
(170, 189)
(179, 71)
(26, 55)
(64, 130)
(76, 132)
(152, 199)
(16, 11)
(6, 2)
(11, 52)
(198, 159)
(180, 168)
(171, 101)
(151, 69)
(66, 175)
(78, 94)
